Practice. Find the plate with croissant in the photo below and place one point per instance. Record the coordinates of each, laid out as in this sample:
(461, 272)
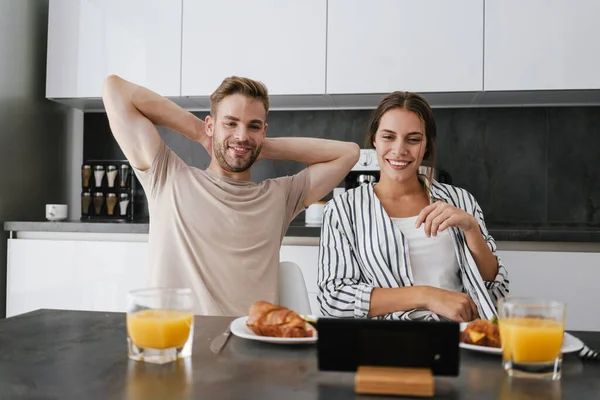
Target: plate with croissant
(483, 336)
(272, 323)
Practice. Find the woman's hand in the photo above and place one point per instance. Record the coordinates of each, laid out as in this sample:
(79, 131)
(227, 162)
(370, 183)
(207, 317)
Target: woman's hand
(454, 305)
(440, 215)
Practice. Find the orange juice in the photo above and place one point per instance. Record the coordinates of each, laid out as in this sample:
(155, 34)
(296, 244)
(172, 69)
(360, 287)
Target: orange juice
(159, 329)
(530, 340)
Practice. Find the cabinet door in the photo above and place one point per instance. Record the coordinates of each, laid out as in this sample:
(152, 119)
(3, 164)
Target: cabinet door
(140, 40)
(281, 43)
(570, 277)
(73, 275)
(387, 45)
(542, 44)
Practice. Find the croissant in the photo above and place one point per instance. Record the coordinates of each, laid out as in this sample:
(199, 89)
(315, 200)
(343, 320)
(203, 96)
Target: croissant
(268, 319)
(482, 333)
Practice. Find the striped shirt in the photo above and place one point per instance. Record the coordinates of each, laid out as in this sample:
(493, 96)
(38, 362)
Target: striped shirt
(361, 249)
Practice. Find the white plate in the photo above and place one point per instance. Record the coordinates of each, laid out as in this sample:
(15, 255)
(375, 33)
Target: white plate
(570, 344)
(240, 329)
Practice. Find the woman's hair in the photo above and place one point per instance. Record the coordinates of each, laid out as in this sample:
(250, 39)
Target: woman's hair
(411, 102)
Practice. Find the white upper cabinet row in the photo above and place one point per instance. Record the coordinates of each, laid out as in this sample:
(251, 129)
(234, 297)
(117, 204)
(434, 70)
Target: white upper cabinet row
(185, 48)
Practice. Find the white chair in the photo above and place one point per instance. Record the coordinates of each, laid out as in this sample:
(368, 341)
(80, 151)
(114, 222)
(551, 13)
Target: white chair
(292, 289)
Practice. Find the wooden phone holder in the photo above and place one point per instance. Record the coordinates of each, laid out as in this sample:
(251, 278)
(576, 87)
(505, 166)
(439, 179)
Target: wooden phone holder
(394, 381)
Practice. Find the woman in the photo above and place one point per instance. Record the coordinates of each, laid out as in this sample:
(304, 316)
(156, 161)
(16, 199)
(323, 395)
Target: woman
(407, 247)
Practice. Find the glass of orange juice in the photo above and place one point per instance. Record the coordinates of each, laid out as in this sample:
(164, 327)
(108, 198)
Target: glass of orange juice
(531, 333)
(160, 324)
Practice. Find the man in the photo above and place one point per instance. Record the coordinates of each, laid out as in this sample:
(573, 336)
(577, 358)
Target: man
(216, 231)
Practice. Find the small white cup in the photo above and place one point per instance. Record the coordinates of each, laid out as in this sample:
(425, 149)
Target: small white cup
(56, 212)
(314, 213)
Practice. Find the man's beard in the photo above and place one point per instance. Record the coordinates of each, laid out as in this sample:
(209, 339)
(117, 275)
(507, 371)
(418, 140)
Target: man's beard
(237, 164)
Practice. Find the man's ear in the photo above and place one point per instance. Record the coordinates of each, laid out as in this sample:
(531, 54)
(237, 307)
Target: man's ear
(210, 125)
(265, 132)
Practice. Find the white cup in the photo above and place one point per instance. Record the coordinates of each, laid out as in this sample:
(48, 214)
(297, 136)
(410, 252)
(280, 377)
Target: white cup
(314, 213)
(56, 212)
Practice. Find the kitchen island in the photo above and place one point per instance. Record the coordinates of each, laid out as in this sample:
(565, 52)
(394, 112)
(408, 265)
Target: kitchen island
(83, 355)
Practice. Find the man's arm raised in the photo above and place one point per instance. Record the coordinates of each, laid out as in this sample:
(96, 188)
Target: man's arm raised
(133, 111)
(329, 161)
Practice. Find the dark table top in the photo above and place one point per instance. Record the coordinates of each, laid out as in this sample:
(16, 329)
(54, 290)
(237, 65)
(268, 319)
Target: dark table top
(50, 354)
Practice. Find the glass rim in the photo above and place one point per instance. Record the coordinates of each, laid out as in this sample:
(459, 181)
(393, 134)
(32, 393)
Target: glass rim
(530, 302)
(159, 291)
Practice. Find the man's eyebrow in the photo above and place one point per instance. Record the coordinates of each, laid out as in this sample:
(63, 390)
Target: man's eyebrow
(230, 117)
(257, 121)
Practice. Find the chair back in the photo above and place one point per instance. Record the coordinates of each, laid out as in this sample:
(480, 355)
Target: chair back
(292, 289)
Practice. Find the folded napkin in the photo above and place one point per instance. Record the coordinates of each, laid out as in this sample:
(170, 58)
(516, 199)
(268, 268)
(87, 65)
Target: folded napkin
(588, 354)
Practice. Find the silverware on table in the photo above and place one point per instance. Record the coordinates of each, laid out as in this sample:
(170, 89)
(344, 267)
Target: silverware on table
(220, 341)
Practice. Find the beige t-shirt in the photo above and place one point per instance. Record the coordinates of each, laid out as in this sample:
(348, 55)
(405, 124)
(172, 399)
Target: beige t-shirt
(217, 235)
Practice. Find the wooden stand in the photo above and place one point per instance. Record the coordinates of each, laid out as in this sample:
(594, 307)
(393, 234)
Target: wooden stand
(394, 381)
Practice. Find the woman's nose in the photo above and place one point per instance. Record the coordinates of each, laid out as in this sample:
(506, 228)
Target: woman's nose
(399, 148)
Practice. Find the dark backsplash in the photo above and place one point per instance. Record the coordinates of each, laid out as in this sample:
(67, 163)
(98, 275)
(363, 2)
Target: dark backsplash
(525, 166)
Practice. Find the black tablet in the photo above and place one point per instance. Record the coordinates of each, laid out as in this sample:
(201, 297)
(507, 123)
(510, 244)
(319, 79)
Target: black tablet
(346, 344)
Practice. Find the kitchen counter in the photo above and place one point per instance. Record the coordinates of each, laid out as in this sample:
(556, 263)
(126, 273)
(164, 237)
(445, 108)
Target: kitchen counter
(296, 228)
(77, 227)
(55, 354)
(506, 232)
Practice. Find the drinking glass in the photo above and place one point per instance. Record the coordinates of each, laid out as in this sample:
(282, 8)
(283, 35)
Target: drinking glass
(160, 324)
(531, 332)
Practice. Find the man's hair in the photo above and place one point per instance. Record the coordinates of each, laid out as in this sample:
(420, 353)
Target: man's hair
(235, 84)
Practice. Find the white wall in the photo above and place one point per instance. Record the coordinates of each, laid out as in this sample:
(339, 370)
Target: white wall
(33, 137)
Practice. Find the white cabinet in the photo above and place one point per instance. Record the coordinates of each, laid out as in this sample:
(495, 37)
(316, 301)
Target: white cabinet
(542, 44)
(73, 275)
(88, 40)
(306, 258)
(387, 45)
(281, 43)
(96, 275)
(571, 277)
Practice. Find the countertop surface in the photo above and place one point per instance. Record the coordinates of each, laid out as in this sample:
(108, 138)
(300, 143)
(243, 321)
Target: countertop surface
(50, 354)
(502, 232)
